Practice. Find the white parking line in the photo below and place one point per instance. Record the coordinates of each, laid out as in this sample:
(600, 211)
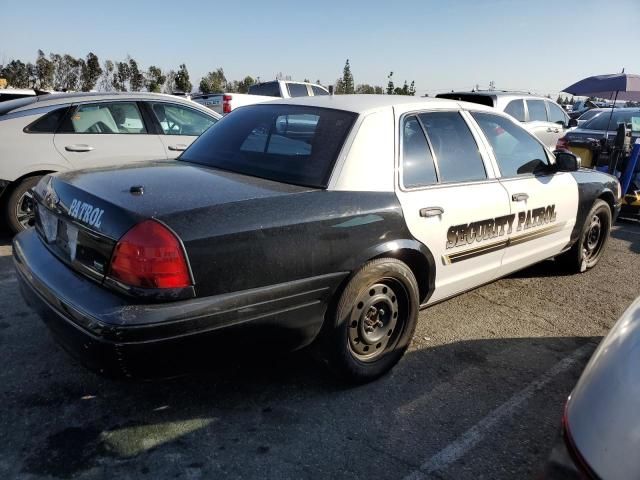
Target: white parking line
(469, 439)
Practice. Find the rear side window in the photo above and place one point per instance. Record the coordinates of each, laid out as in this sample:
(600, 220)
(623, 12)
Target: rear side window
(117, 117)
(269, 89)
(49, 122)
(318, 91)
(297, 90)
(454, 147)
(516, 151)
(556, 114)
(537, 111)
(418, 169)
(515, 108)
(178, 120)
(285, 143)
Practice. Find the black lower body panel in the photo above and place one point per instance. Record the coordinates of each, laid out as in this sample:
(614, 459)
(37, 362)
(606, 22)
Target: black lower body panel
(110, 335)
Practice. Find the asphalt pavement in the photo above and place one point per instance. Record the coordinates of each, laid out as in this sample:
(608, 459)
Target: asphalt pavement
(479, 395)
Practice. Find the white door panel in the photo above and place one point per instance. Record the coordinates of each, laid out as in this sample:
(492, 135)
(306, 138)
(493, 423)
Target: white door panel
(465, 238)
(176, 144)
(86, 150)
(545, 213)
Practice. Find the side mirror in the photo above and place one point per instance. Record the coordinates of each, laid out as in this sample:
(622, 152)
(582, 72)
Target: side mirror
(567, 161)
(573, 122)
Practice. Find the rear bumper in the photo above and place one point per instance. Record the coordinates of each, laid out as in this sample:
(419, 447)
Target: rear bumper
(111, 335)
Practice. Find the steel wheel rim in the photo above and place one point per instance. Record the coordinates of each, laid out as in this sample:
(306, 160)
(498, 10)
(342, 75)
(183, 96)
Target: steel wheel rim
(25, 213)
(376, 320)
(593, 240)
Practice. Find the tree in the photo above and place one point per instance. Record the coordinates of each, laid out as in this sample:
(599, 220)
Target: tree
(390, 85)
(90, 72)
(347, 79)
(106, 79)
(44, 71)
(243, 86)
(412, 88)
(136, 78)
(213, 82)
(170, 82)
(16, 73)
(121, 76)
(182, 79)
(369, 89)
(339, 87)
(154, 79)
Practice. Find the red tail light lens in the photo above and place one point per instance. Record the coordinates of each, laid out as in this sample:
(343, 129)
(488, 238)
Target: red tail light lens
(562, 144)
(150, 256)
(226, 103)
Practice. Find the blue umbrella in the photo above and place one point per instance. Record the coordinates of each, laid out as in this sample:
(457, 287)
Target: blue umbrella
(622, 86)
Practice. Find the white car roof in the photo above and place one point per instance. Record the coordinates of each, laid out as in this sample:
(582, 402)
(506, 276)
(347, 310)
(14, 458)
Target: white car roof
(68, 98)
(367, 103)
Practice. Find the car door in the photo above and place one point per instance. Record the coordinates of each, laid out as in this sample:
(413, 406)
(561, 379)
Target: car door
(543, 202)
(558, 122)
(106, 133)
(538, 123)
(179, 125)
(451, 200)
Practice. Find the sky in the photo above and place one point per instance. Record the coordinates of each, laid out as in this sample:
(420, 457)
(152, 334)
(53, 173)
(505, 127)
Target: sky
(538, 46)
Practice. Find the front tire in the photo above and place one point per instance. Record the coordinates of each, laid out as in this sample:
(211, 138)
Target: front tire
(19, 209)
(588, 249)
(374, 321)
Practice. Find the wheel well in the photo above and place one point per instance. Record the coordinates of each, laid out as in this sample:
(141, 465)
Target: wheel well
(609, 198)
(418, 265)
(17, 181)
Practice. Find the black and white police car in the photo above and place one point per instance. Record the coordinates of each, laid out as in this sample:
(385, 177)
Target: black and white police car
(325, 219)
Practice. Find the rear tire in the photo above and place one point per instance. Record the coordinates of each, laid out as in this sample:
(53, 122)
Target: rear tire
(19, 208)
(374, 321)
(588, 249)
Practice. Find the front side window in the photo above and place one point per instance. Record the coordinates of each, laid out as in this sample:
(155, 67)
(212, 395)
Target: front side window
(556, 114)
(454, 147)
(515, 150)
(117, 117)
(515, 108)
(537, 111)
(286, 143)
(178, 120)
(418, 169)
(297, 90)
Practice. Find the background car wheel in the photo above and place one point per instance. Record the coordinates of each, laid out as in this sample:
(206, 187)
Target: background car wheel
(594, 236)
(374, 321)
(20, 212)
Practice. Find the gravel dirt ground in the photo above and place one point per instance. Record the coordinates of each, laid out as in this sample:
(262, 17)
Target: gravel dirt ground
(479, 395)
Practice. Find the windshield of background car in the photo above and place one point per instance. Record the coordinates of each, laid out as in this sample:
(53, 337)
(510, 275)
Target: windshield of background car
(602, 121)
(286, 143)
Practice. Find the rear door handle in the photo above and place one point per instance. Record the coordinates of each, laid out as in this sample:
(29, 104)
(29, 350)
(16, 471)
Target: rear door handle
(552, 130)
(79, 147)
(431, 212)
(181, 147)
(519, 197)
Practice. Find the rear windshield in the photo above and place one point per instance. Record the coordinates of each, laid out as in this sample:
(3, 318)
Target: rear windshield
(468, 97)
(286, 143)
(602, 121)
(589, 115)
(269, 89)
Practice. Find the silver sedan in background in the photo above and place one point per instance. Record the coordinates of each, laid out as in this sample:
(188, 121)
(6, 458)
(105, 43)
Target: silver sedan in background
(601, 424)
(53, 133)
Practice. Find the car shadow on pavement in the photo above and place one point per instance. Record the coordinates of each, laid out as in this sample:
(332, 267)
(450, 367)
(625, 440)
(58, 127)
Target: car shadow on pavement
(286, 416)
(629, 232)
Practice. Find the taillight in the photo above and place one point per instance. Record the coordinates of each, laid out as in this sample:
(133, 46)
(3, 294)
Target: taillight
(562, 144)
(226, 103)
(150, 256)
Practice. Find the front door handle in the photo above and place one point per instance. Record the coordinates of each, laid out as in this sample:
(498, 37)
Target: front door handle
(78, 147)
(431, 212)
(519, 197)
(552, 130)
(181, 147)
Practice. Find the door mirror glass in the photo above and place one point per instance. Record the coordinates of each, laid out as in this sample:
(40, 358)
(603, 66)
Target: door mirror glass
(567, 161)
(573, 122)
